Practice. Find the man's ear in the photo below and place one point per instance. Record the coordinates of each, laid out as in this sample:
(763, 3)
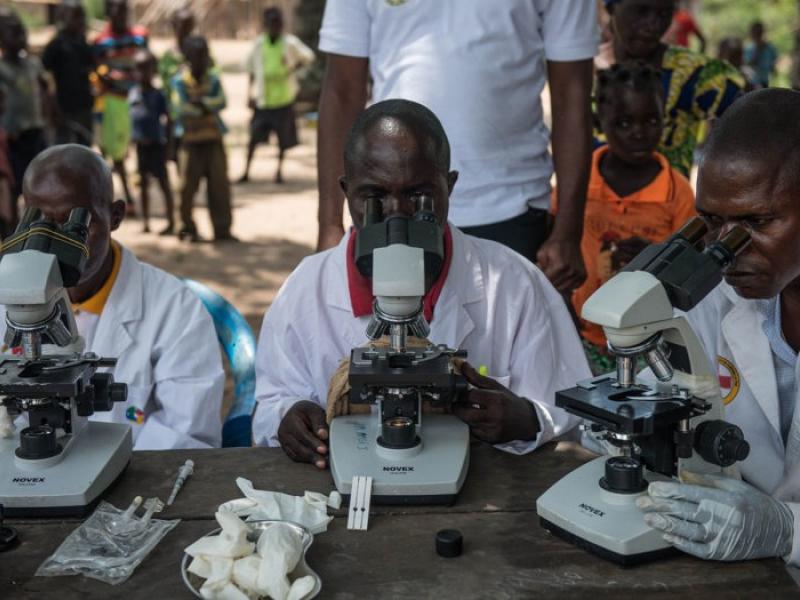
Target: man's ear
(117, 213)
(452, 177)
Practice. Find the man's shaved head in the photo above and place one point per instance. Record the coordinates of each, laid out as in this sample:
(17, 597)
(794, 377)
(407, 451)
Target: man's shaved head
(72, 165)
(396, 153)
(70, 176)
(761, 128)
(409, 115)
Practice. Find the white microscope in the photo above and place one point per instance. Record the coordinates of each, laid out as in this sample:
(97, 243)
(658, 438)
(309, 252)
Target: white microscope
(412, 459)
(61, 462)
(656, 431)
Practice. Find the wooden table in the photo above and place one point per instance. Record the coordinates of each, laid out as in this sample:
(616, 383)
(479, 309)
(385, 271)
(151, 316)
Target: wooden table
(506, 553)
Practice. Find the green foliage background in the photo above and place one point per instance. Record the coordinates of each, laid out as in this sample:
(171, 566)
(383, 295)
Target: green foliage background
(726, 18)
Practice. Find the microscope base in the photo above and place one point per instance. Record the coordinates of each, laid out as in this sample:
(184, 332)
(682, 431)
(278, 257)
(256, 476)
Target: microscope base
(434, 475)
(609, 525)
(72, 485)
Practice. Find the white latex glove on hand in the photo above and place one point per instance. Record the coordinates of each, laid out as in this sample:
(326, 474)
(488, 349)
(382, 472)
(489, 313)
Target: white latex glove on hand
(728, 520)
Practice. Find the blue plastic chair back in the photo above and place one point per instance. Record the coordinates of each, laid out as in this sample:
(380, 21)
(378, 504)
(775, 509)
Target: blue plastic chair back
(239, 344)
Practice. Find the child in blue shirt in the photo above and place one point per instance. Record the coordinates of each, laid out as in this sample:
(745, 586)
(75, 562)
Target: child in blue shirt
(149, 127)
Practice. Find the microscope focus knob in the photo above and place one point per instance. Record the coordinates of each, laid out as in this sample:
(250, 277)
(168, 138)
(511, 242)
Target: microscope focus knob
(720, 443)
(107, 392)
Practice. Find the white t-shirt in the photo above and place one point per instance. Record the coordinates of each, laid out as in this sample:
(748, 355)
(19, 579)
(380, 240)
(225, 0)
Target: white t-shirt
(480, 66)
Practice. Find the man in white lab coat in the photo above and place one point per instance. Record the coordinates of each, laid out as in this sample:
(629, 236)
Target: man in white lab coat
(158, 330)
(487, 299)
(750, 327)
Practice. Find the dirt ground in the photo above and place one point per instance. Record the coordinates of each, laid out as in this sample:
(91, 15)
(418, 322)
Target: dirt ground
(275, 223)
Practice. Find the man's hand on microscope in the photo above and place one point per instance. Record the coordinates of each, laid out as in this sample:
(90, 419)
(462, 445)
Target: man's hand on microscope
(303, 434)
(494, 413)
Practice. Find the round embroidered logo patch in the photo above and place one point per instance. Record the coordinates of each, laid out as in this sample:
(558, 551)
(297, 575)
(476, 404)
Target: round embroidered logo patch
(729, 380)
(135, 414)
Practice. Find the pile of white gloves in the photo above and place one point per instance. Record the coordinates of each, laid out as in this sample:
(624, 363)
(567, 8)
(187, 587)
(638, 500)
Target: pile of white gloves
(719, 519)
(310, 511)
(235, 568)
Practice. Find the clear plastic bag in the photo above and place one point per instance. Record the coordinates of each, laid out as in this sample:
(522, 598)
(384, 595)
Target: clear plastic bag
(107, 546)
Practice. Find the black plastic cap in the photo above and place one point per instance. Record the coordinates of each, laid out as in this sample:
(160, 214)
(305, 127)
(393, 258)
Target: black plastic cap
(449, 543)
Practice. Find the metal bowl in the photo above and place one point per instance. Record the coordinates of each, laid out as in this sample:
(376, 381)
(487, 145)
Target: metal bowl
(194, 583)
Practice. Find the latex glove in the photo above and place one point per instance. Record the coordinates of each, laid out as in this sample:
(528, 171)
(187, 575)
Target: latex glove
(301, 588)
(280, 549)
(725, 519)
(245, 573)
(227, 592)
(218, 579)
(200, 567)
(7, 428)
(322, 502)
(278, 506)
(230, 543)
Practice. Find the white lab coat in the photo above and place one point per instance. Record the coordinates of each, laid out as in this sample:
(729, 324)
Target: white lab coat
(167, 352)
(730, 328)
(494, 304)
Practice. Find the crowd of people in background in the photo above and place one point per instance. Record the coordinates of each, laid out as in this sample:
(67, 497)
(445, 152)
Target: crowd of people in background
(111, 92)
(652, 99)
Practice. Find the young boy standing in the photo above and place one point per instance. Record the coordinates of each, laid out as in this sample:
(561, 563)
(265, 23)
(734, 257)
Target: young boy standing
(171, 61)
(114, 50)
(198, 98)
(272, 64)
(149, 124)
(634, 196)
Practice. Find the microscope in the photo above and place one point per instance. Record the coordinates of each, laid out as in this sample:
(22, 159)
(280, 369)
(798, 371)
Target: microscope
(654, 431)
(61, 462)
(412, 458)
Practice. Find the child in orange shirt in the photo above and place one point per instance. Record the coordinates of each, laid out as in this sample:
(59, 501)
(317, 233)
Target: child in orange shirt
(634, 196)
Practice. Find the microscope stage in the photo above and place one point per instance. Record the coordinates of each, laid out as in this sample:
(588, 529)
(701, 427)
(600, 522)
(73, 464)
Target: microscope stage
(433, 476)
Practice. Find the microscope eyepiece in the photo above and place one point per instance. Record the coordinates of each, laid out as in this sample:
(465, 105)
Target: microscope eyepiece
(31, 215)
(735, 240)
(373, 211)
(693, 231)
(725, 249)
(77, 225)
(79, 216)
